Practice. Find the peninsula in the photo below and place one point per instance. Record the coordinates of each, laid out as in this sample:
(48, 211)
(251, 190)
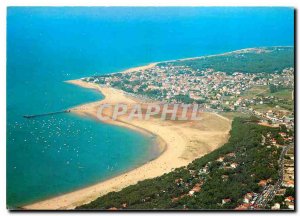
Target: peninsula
(246, 82)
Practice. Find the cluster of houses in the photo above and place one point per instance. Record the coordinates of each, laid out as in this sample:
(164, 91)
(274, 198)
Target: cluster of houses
(289, 169)
(272, 141)
(206, 85)
(248, 201)
(288, 201)
(287, 182)
(288, 161)
(202, 176)
(251, 200)
(213, 90)
(276, 115)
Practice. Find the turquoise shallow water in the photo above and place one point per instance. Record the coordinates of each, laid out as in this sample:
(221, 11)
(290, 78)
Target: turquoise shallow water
(48, 156)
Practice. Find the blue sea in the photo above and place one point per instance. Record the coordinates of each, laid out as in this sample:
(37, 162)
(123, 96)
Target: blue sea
(52, 155)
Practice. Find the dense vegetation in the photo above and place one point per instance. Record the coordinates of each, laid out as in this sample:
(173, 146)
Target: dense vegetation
(171, 191)
(269, 60)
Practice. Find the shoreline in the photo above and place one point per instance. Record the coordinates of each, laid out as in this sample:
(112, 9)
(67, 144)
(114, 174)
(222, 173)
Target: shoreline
(153, 64)
(178, 143)
(179, 148)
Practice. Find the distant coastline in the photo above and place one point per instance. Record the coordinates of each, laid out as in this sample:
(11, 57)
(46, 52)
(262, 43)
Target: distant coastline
(153, 64)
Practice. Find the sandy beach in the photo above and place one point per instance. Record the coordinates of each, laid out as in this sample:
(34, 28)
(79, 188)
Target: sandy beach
(141, 68)
(180, 142)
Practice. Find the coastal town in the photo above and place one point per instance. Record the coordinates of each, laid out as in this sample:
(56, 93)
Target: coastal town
(267, 97)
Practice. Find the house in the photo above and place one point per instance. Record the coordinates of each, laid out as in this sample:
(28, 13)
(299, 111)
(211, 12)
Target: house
(197, 188)
(289, 199)
(220, 159)
(203, 170)
(175, 199)
(191, 193)
(248, 197)
(288, 183)
(113, 209)
(262, 183)
(282, 134)
(234, 165)
(224, 201)
(231, 154)
(273, 141)
(178, 180)
(276, 206)
(281, 192)
(243, 206)
(290, 206)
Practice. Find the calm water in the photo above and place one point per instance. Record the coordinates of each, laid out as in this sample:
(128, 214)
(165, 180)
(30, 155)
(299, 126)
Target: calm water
(46, 46)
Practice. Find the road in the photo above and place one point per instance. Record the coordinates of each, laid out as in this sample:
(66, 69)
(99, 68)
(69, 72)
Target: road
(270, 190)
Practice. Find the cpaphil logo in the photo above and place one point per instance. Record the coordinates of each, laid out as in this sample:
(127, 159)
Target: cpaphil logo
(178, 112)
